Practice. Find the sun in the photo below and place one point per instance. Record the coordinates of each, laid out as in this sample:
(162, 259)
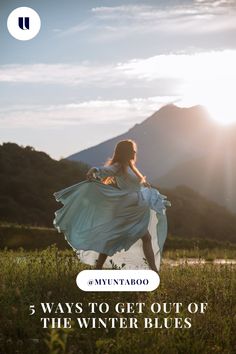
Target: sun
(217, 96)
(223, 113)
(210, 81)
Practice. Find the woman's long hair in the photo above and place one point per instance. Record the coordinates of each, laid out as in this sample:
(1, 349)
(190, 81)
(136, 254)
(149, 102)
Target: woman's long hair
(123, 154)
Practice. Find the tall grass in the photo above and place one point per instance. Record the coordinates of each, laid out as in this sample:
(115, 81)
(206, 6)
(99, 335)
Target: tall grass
(49, 276)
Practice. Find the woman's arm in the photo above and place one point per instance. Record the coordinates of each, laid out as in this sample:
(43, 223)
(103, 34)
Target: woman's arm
(141, 177)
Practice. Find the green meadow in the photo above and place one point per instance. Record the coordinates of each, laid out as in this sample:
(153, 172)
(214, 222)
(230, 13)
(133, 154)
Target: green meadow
(35, 277)
(14, 237)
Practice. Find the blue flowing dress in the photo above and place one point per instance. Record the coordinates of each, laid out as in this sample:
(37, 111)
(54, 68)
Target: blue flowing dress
(103, 218)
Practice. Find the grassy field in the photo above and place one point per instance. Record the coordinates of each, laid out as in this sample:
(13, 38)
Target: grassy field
(13, 236)
(30, 278)
(201, 254)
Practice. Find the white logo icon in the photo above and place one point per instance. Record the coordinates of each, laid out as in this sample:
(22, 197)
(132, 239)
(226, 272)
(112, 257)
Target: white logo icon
(23, 23)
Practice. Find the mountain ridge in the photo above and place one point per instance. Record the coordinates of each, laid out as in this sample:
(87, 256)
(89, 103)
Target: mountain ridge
(173, 137)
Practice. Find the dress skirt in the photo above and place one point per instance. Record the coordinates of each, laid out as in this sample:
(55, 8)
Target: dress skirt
(100, 218)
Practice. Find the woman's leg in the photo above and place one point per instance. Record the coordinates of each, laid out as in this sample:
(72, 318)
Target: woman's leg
(101, 260)
(148, 251)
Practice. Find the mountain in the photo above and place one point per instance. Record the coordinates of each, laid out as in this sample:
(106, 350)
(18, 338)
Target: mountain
(180, 146)
(213, 177)
(196, 217)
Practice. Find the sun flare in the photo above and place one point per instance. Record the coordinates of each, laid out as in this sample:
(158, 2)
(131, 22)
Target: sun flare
(218, 99)
(211, 82)
(224, 114)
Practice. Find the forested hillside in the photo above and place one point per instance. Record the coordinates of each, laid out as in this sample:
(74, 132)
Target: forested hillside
(28, 179)
(193, 216)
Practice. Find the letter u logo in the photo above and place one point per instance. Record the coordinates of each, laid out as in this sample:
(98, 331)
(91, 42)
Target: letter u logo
(23, 23)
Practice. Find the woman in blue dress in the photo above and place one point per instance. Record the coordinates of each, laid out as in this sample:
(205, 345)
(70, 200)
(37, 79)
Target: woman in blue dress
(115, 215)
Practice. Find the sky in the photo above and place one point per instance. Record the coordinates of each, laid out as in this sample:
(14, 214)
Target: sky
(97, 68)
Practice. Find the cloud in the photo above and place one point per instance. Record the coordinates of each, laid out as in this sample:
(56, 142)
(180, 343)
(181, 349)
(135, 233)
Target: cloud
(67, 74)
(202, 78)
(182, 66)
(179, 66)
(110, 23)
(127, 112)
(215, 3)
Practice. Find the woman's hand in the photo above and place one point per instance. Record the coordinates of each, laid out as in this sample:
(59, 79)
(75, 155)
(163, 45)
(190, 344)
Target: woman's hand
(144, 182)
(91, 173)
